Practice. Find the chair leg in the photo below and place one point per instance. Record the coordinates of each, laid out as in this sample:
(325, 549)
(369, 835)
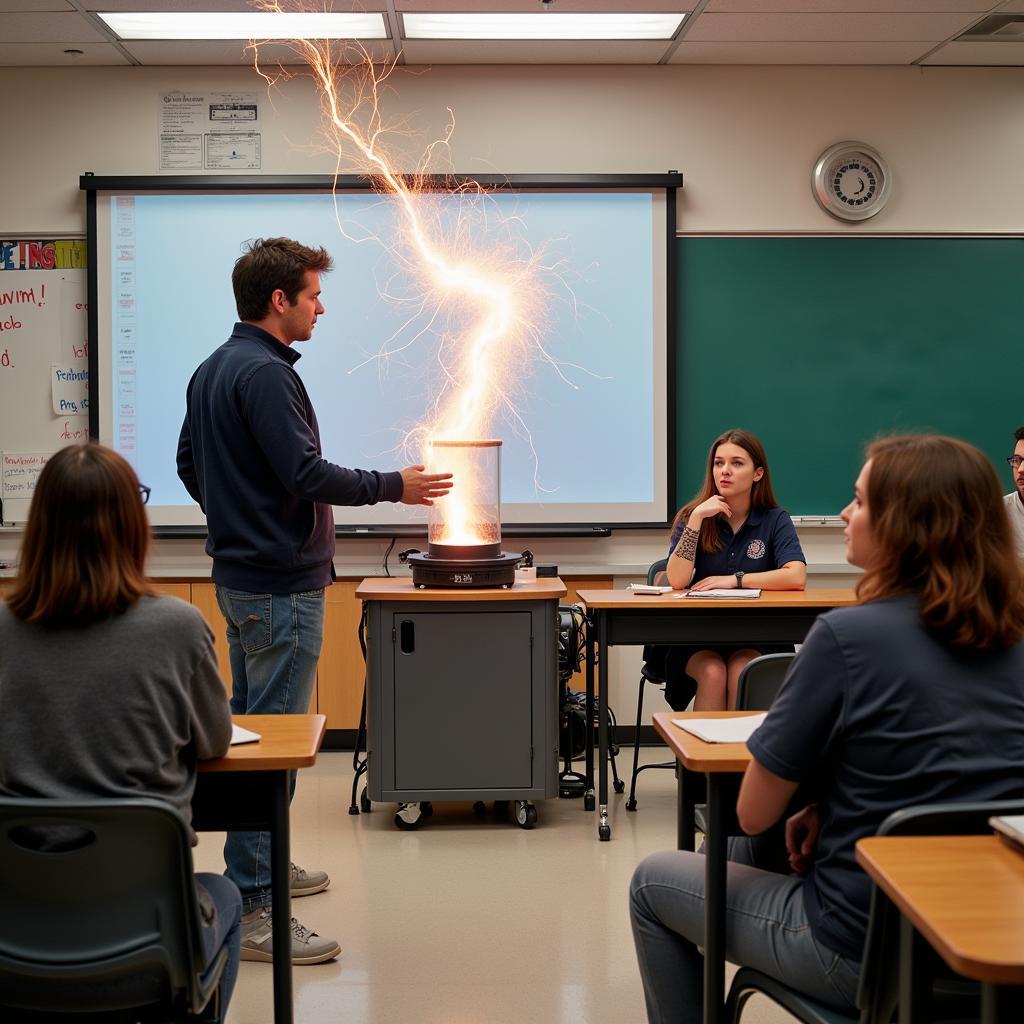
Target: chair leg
(631, 802)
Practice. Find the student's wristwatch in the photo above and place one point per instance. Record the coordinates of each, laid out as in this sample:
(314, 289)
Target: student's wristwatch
(739, 579)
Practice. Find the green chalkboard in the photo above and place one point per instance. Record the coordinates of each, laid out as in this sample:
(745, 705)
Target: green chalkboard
(818, 345)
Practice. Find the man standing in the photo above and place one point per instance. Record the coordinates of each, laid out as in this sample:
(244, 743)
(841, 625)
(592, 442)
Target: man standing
(249, 454)
(1014, 501)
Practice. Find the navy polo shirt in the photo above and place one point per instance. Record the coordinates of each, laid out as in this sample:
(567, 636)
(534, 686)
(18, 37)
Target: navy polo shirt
(877, 714)
(766, 541)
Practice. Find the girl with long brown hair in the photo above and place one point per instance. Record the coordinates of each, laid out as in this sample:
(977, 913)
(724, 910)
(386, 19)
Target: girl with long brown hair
(732, 534)
(106, 688)
(913, 696)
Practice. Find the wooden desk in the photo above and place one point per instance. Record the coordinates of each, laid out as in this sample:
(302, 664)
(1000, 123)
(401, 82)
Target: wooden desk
(622, 617)
(965, 896)
(248, 790)
(722, 765)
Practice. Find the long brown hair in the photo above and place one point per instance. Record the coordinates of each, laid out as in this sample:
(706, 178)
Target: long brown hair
(83, 555)
(761, 494)
(941, 531)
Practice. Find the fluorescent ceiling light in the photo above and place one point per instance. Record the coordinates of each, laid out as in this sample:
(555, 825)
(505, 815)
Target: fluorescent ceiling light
(542, 25)
(241, 25)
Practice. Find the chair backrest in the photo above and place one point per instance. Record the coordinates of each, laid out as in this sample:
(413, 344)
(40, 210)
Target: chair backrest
(877, 992)
(760, 680)
(98, 907)
(656, 568)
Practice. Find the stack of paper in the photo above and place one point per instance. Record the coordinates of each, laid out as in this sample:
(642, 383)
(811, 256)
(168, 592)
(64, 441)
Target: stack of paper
(1011, 828)
(722, 730)
(723, 593)
(240, 735)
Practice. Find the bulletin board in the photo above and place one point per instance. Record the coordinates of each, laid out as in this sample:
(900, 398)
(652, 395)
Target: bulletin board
(44, 354)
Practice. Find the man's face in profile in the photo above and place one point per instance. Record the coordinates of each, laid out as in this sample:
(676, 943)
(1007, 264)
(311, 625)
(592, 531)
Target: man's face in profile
(1018, 470)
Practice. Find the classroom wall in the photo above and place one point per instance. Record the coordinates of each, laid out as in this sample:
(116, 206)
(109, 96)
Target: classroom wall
(744, 138)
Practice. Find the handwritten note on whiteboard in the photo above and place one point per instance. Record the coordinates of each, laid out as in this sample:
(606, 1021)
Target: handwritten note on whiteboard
(69, 385)
(18, 474)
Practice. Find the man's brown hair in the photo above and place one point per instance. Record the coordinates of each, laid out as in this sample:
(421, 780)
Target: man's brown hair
(271, 263)
(941, 532)
(83, 555)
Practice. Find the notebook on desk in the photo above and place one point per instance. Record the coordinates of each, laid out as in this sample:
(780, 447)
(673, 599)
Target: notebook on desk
(730, 594)
(240, 735)
(1011, 828)
(722, 730)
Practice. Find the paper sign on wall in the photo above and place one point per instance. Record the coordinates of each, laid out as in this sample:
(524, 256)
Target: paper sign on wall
(69, 384)
(19, 472)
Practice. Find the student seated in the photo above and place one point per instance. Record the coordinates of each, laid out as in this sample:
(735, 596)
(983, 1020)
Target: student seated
(732, 534)
(913, 696)
(106, 688)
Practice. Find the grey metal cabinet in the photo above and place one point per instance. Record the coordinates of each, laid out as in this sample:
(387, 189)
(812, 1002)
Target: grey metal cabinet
(462, 697)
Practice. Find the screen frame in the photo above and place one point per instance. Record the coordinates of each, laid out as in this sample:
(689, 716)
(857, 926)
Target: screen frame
(669, 182)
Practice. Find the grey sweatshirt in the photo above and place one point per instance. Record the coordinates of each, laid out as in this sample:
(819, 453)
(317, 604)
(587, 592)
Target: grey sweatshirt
(121, 708)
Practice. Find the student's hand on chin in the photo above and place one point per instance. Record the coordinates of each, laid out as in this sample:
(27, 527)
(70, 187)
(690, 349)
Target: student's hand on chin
(716, 505)
(716, 583)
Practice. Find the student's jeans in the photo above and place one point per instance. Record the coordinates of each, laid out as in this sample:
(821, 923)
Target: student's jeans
(224, 930)
(274, 642)
(767, 929)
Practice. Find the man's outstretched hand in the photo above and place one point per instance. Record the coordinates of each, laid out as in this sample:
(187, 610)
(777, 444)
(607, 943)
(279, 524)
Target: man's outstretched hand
(419, 488)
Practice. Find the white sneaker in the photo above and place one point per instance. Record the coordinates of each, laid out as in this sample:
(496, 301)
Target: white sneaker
(307, 946)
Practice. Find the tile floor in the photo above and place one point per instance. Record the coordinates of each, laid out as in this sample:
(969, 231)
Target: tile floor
(468, 920)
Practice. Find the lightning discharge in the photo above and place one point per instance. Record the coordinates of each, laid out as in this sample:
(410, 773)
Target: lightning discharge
(488, 304)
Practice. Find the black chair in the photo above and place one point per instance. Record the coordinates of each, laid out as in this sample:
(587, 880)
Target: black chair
(877, 995)
(761, 680)
(99, 918)
(650, 673)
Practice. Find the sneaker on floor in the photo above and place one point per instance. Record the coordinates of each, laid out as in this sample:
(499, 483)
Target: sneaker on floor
(305, 883)
(307, 946)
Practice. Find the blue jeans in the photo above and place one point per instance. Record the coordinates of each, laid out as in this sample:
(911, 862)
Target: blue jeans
(766, 928)
(224, 931)
(274, 642)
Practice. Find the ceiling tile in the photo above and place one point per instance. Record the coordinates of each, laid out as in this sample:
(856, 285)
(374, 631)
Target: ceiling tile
(51, 55)
(851, 6)
(745, 52)
(12, 6)
(979, 54)
(822, 27)
(533, 6)
(214, 6)
(48, 28)
(228, 52)
(540, 51)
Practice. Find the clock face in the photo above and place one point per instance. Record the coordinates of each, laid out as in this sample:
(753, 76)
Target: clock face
(851, 181)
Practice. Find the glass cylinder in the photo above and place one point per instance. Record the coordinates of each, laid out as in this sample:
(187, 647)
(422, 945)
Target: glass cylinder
(466, 523)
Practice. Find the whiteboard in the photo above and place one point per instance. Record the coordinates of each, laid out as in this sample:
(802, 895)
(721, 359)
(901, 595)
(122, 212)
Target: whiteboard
(44, 353)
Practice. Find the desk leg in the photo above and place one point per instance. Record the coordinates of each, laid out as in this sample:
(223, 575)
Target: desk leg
(281, 904)
(588, 794)
(686, 826)
(916, 962)
(604, 830)
(716, 851)
(1000, 1003)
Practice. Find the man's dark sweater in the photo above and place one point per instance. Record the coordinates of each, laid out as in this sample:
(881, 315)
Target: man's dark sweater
(249, 454)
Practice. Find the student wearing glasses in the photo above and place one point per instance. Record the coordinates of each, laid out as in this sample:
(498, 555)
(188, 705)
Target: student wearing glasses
(913, 696)
(106, 688)
(1014, 501)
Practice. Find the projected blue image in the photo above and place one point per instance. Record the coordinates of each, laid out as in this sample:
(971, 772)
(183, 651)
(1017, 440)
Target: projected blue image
(580, 431)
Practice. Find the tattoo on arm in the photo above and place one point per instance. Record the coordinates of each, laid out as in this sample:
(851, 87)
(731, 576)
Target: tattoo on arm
(686, 549)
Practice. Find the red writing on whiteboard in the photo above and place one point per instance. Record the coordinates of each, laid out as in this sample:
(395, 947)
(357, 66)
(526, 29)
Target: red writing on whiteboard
(67, 434)
(80, 351)
(10, 324)
(23, 297)
(5, 359)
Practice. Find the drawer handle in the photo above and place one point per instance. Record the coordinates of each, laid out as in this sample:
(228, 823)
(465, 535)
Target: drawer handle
(407, 636)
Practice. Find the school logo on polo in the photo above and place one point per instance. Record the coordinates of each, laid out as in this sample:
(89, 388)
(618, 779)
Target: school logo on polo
(755, 549)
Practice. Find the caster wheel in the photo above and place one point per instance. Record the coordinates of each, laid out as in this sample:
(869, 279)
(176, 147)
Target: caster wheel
(619, 787)
(364, 802)
(604, 833)
(479, 808)
(589, 803)
(409, 817)
(630, 805)
(526, 814)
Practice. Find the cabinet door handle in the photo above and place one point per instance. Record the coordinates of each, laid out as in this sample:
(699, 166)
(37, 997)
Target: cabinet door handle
(407, 636)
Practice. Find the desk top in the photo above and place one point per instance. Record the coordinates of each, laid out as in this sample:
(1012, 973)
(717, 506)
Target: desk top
(964, 894)
(692, 752)
(394, 588)
(286, 741)
(824, 598)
